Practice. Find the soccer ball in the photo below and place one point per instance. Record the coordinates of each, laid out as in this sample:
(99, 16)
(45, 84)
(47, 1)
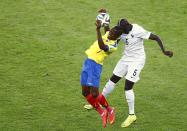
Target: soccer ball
(104, 18)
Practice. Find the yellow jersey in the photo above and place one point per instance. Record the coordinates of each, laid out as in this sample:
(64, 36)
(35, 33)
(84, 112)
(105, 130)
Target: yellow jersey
(97, 54)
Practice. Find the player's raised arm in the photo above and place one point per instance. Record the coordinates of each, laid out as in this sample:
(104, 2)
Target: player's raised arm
(106, 28)
(102, 46)
(158, 40)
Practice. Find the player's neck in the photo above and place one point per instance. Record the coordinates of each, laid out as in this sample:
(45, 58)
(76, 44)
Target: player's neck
(129, 28)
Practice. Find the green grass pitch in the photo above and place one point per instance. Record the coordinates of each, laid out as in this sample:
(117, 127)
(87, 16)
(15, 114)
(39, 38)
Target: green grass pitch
(42, 44)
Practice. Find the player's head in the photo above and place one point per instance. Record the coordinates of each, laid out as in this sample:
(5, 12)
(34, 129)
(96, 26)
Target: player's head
(115, 33)
(124, 25)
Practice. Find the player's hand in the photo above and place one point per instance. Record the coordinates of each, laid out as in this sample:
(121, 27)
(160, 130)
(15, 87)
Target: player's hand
(98, 24)
(168, 53)
(102, 10)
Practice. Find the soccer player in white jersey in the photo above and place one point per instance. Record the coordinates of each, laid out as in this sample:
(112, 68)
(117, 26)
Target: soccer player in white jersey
(131, 63)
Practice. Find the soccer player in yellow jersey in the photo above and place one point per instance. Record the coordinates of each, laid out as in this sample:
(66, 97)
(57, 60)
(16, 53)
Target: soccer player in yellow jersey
(91, 71)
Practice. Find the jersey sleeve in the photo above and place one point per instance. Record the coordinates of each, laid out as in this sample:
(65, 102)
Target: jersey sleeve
(112, 47)
(144, 34)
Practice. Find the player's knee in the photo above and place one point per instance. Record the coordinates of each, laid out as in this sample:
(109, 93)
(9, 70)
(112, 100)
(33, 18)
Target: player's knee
(128, 88)
(128, 85)
(85, 93)
(95, 93)
(115, 78)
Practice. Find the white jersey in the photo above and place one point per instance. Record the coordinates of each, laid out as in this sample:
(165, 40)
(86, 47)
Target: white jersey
(134, 48)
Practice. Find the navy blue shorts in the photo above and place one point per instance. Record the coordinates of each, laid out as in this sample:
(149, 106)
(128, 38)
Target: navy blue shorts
(91, 73)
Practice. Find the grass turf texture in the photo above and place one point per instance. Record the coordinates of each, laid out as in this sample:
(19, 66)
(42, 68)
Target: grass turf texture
(42, 44)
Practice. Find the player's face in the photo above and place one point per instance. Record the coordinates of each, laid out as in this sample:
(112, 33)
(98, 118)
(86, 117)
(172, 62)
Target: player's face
(112, 35)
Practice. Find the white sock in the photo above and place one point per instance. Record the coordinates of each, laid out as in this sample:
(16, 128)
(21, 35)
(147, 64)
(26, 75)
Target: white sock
(130, 100)
(109, 87)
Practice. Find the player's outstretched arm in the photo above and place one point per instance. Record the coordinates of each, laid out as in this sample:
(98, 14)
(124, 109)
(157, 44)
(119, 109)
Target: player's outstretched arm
(158, 40)
(102, 46)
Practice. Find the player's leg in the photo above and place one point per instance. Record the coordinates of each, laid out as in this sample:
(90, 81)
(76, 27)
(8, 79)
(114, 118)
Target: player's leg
(90, 78)
(102, 100)
(95, 98)
(106, 91)
(91, 94)
(94, 91)
(92, 98)
(130, 100)
(119, 71)
(84, 79)
(131, 78)
(129, 93)
(109, 87)
(85, 91)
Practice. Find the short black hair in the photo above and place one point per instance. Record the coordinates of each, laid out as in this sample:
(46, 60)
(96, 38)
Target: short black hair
(122, 22)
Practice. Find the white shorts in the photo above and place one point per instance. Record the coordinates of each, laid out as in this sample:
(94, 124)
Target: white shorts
(129, 70)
